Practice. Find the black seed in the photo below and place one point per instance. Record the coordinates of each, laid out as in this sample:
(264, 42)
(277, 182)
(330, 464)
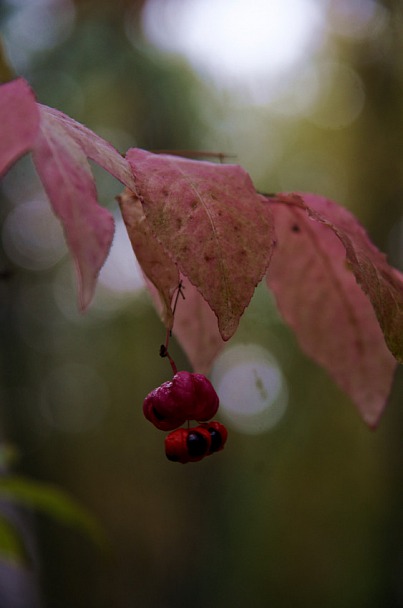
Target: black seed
(295, 228)
(157, 414)
(216, 440)
(197, 444)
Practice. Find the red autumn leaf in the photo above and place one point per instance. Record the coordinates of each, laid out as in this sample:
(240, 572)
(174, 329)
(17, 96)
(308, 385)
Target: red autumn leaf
(60, 155)
(212, 223)
(19, 121)
(320, 247)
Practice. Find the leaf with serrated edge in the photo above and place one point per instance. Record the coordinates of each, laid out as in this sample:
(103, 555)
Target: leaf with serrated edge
(318, 295)
(213, 224)
(19, 121)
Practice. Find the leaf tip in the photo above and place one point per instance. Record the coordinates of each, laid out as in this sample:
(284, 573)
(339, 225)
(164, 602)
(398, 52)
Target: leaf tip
(372, 422)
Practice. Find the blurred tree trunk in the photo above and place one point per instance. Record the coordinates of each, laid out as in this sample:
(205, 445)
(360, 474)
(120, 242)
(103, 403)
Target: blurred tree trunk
(379, 149)
(380, 183)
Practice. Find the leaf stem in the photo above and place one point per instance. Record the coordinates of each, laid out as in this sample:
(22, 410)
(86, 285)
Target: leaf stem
(164, 352)
(164, 347)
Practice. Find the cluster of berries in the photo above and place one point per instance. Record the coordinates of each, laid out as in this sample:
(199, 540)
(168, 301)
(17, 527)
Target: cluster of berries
(186, 397)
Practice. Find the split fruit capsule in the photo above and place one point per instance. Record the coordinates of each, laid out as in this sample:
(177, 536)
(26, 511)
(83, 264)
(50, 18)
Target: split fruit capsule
(193, 444)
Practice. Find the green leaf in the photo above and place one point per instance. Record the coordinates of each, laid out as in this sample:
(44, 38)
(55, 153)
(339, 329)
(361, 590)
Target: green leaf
(53, 502)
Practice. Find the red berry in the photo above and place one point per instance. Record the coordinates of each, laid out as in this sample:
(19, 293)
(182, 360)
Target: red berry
(187, 445)
(186, 397)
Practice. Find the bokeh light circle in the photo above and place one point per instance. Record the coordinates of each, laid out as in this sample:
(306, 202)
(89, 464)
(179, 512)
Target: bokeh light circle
(341, 95)
(121, 272)
(33, 236)
(247, 43)
(251, 387)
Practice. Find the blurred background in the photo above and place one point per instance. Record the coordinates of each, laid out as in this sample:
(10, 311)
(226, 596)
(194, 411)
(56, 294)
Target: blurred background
(304, 507)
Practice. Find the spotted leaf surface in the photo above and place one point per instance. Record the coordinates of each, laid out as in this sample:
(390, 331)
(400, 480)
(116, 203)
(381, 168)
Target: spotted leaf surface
(212, 223)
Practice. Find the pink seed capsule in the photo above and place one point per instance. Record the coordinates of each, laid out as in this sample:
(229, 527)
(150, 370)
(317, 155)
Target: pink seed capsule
(160, 408)
(186, 397)
(206, 401)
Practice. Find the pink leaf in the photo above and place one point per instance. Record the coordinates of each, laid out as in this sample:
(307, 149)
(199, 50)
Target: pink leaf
(382, 283)
(213, 224)
(320, 246)
(93, 146)
(19, 121)
(67, 179)
(196, 329)
(157, 266)
(195, 326)
(60, 156)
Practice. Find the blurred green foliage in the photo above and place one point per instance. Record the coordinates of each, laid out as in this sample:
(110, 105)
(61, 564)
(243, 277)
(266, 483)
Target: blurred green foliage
(308, 513)
(50, 501)
(11, 544)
